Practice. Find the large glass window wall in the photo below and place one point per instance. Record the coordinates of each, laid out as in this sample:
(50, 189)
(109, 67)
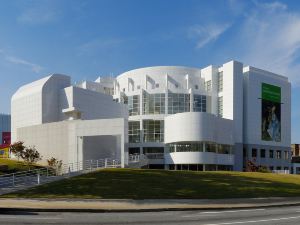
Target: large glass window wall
(200, 147)
(134, 105)
(153, 130)
(153, 103)
(134, 131)
(178, 103)
(199, 103)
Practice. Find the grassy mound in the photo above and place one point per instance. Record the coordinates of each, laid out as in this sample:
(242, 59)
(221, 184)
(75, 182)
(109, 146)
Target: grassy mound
(161, 184)
(13, 166)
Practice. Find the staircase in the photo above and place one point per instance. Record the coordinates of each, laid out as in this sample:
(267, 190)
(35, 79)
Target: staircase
(137, 161)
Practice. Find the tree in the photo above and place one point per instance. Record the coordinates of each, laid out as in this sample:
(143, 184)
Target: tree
(55, 164)
(31, 155)
(17, 149)
(251, 167)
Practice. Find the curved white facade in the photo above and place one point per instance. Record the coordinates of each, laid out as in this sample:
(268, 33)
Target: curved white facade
(37, 102)
(199, 158)
(198, 126)
(203, 129)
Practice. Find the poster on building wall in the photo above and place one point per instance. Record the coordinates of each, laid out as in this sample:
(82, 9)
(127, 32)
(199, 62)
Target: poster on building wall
(4, 152)
(271, 112)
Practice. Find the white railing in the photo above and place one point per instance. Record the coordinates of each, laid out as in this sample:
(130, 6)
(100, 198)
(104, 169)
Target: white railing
(137, 160)
(281, 171)
(155, 155)
(102, 163)
(35, 177)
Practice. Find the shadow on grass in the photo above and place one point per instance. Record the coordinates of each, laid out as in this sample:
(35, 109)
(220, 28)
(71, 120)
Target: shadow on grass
(161, 184)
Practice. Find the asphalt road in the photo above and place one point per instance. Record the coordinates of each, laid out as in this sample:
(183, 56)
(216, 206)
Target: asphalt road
(267, 216)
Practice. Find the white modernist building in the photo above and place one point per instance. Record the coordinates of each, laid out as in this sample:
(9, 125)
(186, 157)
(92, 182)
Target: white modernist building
(216, 118)
(69, 123)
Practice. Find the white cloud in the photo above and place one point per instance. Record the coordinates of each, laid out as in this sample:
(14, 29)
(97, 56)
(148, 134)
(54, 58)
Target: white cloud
(205, 34)
(18, 61)
(272, 5)
(270, 39)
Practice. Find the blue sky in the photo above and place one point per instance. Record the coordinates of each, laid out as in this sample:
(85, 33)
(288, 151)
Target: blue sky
(86, 39)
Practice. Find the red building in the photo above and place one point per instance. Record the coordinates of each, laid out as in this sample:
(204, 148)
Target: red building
(6, 137)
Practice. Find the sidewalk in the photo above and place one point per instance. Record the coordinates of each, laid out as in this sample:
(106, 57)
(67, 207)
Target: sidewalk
(105, 205)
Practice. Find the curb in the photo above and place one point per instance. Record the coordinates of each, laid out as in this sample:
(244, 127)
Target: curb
(204, 207)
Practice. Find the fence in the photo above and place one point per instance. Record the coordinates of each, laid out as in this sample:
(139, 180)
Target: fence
(21, 180)
(281, 171)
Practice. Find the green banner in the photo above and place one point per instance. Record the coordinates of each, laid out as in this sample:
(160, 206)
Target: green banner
(271, 113)
(271, 93)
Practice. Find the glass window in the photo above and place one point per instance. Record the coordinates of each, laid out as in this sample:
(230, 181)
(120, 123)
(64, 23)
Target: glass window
(208, 85)
(178, 103)
(153, 130)
(254, 152)
(157, 85)
(149, 150)
(220, 81)
(225, 149)
(153, 103)
(278, 154)
(220, 106)
(196, 86)
(199, 103)
(263, 153)
(134, 151)
(134, 105)
(134, 131)
(286, 155)
(198, 147)
(271, 153)
(211, 147)
(186, 147)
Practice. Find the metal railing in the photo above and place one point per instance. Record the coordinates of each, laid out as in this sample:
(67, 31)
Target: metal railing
(155, 155)
(281, 171)
(25, 179)
(137, 157)
(137, 160)
(102, 163)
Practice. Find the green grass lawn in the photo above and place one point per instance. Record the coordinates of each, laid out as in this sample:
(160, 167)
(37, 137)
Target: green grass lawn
(12, 166)
(161, 184)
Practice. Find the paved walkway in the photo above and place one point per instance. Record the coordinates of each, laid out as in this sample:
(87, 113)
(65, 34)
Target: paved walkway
(90, 205)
